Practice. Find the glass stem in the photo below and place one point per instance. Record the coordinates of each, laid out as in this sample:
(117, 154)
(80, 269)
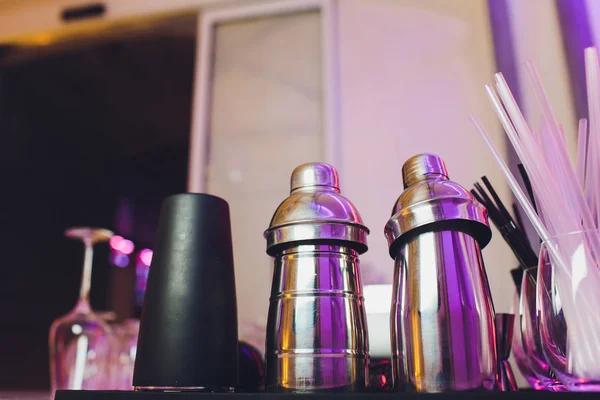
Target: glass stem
(83, 305)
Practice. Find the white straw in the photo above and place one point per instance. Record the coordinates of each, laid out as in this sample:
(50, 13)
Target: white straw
(529, 152)
(563, 207)
(512, 182)
(593, 96)
(582, 350)
(582, 143)
(574, 196)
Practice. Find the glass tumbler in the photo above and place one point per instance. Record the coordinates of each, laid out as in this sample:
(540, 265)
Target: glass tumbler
(569, 301)
(530, 333)
(518, 352)
(124, 355)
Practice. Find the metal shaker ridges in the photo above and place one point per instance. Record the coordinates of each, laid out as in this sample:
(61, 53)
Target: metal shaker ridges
(316, 329)
(442, 322)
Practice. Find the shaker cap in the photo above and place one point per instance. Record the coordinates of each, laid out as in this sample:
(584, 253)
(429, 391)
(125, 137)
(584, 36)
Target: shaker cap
(316, 211)
(431, 202)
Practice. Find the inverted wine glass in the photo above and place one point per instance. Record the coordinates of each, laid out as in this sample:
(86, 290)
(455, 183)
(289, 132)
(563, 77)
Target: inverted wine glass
(80, 341)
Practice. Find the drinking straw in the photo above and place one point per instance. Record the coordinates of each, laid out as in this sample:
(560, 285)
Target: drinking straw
(558, 206)
(526, 148)
(590, 175)
(562, 206)
(511, 233)
(524, 145)
(512, 182)
(571, 313)
(497, 200)
(486, 198)
(493, 212)
(582, 141)
(592, 158)
(478, 197)
(518, 219)
(572, 192)
(593, 96)
(527, 184)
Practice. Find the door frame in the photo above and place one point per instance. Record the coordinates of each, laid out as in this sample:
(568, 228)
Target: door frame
(205, 50)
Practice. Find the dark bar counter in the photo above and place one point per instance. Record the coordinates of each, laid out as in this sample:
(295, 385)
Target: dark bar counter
(520, 395)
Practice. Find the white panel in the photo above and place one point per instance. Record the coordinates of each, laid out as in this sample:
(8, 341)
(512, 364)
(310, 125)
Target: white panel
(266, 119)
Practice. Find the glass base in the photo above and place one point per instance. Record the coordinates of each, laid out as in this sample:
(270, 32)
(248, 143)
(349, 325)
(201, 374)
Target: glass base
(584, 387)
(536, 384)
(556, 387)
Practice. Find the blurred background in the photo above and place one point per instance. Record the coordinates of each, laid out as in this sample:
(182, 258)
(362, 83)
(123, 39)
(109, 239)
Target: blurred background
(108, 107)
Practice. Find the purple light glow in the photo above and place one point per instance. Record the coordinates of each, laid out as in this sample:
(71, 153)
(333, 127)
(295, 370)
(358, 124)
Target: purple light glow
(115, 241)
(577, 35)
(142, 269)
(119, 259)
(121, 245)
(145, 257)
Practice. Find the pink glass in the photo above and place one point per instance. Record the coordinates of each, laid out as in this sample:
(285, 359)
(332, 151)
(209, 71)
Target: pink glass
(531, 336)
(80, 342)
(569, 299)
(518, 352)
(124, 354)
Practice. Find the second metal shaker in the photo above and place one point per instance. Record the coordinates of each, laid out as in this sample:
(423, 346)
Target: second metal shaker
(442, 316)
(316, 329)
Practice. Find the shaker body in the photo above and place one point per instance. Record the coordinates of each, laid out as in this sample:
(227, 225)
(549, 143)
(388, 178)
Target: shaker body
(316, 329)
(442, 317)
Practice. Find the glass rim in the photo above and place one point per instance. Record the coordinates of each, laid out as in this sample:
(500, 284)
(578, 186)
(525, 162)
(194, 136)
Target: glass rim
(563, 235)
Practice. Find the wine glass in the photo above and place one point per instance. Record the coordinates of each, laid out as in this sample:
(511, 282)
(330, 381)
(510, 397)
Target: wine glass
(125, 354)
(530, 333)
(518, 352)
(569, 300)
(80, 341)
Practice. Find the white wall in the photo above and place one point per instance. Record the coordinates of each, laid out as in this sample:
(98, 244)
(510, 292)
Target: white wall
(412, 72)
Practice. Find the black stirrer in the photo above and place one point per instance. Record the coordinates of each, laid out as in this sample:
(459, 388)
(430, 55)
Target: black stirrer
(512, 233)
(477, 196)
(492, 211)
(518, 219)
(496, 198)
(486, 198)
(528, 186)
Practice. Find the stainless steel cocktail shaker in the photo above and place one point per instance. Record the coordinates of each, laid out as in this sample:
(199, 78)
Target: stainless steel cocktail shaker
(442, 315)
(316, 329)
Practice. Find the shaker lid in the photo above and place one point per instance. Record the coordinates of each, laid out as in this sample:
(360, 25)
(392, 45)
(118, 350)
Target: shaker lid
(431, 201)
(315, 210)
